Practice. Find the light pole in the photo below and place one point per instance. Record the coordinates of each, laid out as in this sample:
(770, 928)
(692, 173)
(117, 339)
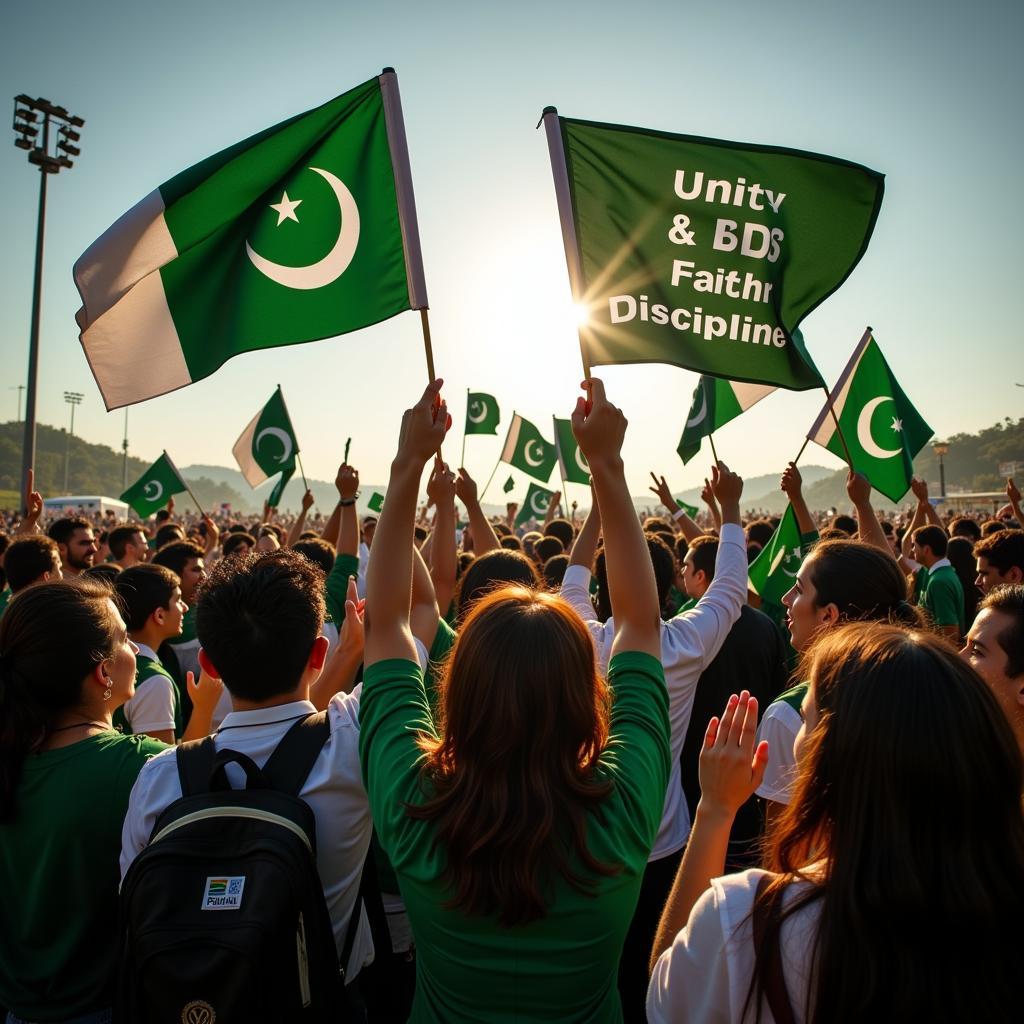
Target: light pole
(124, 456)
(73, 398)
(29, 117)
(19, 388)
(941, 449)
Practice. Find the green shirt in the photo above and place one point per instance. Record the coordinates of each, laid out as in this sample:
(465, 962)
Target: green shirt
(5, 596)
(562, 967)
(336, 587)
(942, 597)
(145, 670)
(59, 876)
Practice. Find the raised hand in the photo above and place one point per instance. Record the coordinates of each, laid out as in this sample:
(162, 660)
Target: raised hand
(661, 489)
(726, 485)
(424, 426)
(353, 634)
(920, 489)
(730, 769)
(792, 482)
(206, 692)
(598, 426)
(465, 488)
(347, 481)
(307, 501)
(441, 486)
(858, 488)
(1012, 491)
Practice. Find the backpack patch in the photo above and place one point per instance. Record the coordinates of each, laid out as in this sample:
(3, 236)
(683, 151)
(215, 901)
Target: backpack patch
(223, 893)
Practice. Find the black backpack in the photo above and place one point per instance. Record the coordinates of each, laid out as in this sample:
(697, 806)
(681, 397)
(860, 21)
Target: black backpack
(223, 917)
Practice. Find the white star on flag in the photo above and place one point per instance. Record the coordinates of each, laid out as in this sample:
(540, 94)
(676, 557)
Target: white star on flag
(286, 209)
(897, 424)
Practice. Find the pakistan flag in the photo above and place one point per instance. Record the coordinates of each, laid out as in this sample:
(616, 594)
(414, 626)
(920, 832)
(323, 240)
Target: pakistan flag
(151, 491)
(571, 460)
(268, 444)
(304, 231)
(482, 415)
(772, 573)
(527, 450)
(535, 505)
(715, 403)
(883, 431)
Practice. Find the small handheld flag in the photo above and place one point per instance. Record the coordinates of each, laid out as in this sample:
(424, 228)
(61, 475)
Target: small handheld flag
(151, 491)
(535, 505)
(571, 460)
(376, 502)
(527, 450)
(715, 403)
(772, 573)
(882, 429)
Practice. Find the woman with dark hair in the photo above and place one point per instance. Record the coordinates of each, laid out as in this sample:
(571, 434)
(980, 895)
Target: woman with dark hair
(839, 581)
(66, 664)
(519, 825)
(895, 888)
(960, 552)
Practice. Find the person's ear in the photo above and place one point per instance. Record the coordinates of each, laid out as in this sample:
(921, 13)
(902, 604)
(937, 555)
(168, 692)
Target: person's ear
(206, 665)
(830, 613)
(1014, 574)
(318, 653)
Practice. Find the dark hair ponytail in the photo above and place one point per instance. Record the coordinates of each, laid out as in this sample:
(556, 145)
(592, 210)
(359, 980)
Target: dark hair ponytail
(51, 637)
(863, 582)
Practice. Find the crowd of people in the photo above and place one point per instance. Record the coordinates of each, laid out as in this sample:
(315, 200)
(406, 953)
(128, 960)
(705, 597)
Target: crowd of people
(568, 771)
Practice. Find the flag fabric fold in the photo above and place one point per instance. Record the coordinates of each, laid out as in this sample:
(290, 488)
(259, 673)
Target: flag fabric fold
(572, 461)
(715, 403)
(703, 253)
(304, 231)
(527, 450)
(882, 429)
(152, 490)
(774, 570)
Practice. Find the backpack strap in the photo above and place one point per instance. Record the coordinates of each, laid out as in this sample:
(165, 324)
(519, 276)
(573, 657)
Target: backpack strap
(293, 758)
(769, 961)
(195, 765)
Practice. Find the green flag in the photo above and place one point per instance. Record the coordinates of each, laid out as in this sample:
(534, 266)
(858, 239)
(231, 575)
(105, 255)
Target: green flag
(277, 493)
(690, 510)
(510, 485)
(882, 429)
(376, 502)
(527, 450)
(535, 505)
(304, 231)
(772, 573)
(268, 444)
(151, 491)
(715, 402)
(703, 253)
(571, 460)
(482, 415)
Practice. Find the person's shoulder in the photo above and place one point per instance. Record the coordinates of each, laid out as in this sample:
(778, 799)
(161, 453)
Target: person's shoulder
(141, 747)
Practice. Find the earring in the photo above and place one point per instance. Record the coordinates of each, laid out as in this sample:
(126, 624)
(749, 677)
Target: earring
(107, 691)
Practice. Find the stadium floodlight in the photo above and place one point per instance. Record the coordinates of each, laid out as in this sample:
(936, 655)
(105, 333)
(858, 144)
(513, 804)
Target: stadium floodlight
(49, 152)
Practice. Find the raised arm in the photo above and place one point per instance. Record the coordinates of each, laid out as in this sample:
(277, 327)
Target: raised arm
(484, 537)
(869, 529)
(300, 520)
(1013, 496)
(599, 428)
(689, 529)
(927, 509)
(554, 502)
(342, 666)
(916, 520)
(33, 508)
(707, 495)
(793, 487)
(730, 770)
(584, 548)
(389, 575)
(441, 555)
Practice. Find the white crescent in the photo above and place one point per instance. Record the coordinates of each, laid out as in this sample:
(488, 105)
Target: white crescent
(781, 558)
(158, 490)
(335, 263)
(282, 436)
(526, 454)
(702, 412)
(867, 442)
(543, 498)
(482, 406)
(581, 460)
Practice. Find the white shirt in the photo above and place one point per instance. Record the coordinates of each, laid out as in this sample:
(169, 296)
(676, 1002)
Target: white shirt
(706, 973)
(334, 791)
(779, 727)
(689, 643)
(152, 708)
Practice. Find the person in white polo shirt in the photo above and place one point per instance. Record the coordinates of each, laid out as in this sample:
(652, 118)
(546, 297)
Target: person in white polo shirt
(259, 622)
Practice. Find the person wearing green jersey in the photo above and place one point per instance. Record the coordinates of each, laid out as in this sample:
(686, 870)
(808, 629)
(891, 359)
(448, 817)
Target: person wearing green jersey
(65, 777)
(519, 822)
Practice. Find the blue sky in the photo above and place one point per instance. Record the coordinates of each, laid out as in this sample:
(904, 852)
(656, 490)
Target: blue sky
(927, 93)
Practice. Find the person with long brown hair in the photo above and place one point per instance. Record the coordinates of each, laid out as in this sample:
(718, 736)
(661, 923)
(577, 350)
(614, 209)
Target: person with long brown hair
(519, 824)
(895, 882)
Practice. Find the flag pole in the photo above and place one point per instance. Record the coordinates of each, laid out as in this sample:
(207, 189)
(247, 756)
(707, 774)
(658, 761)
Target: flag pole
(563, 196)
(302, 472)
(185, 482)
(489, 480)
(839, 430)
(714, 454)
(561, 467)
(807, 441)
(298, 458)
(462, 457)
(348, 444)
(428, 348)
